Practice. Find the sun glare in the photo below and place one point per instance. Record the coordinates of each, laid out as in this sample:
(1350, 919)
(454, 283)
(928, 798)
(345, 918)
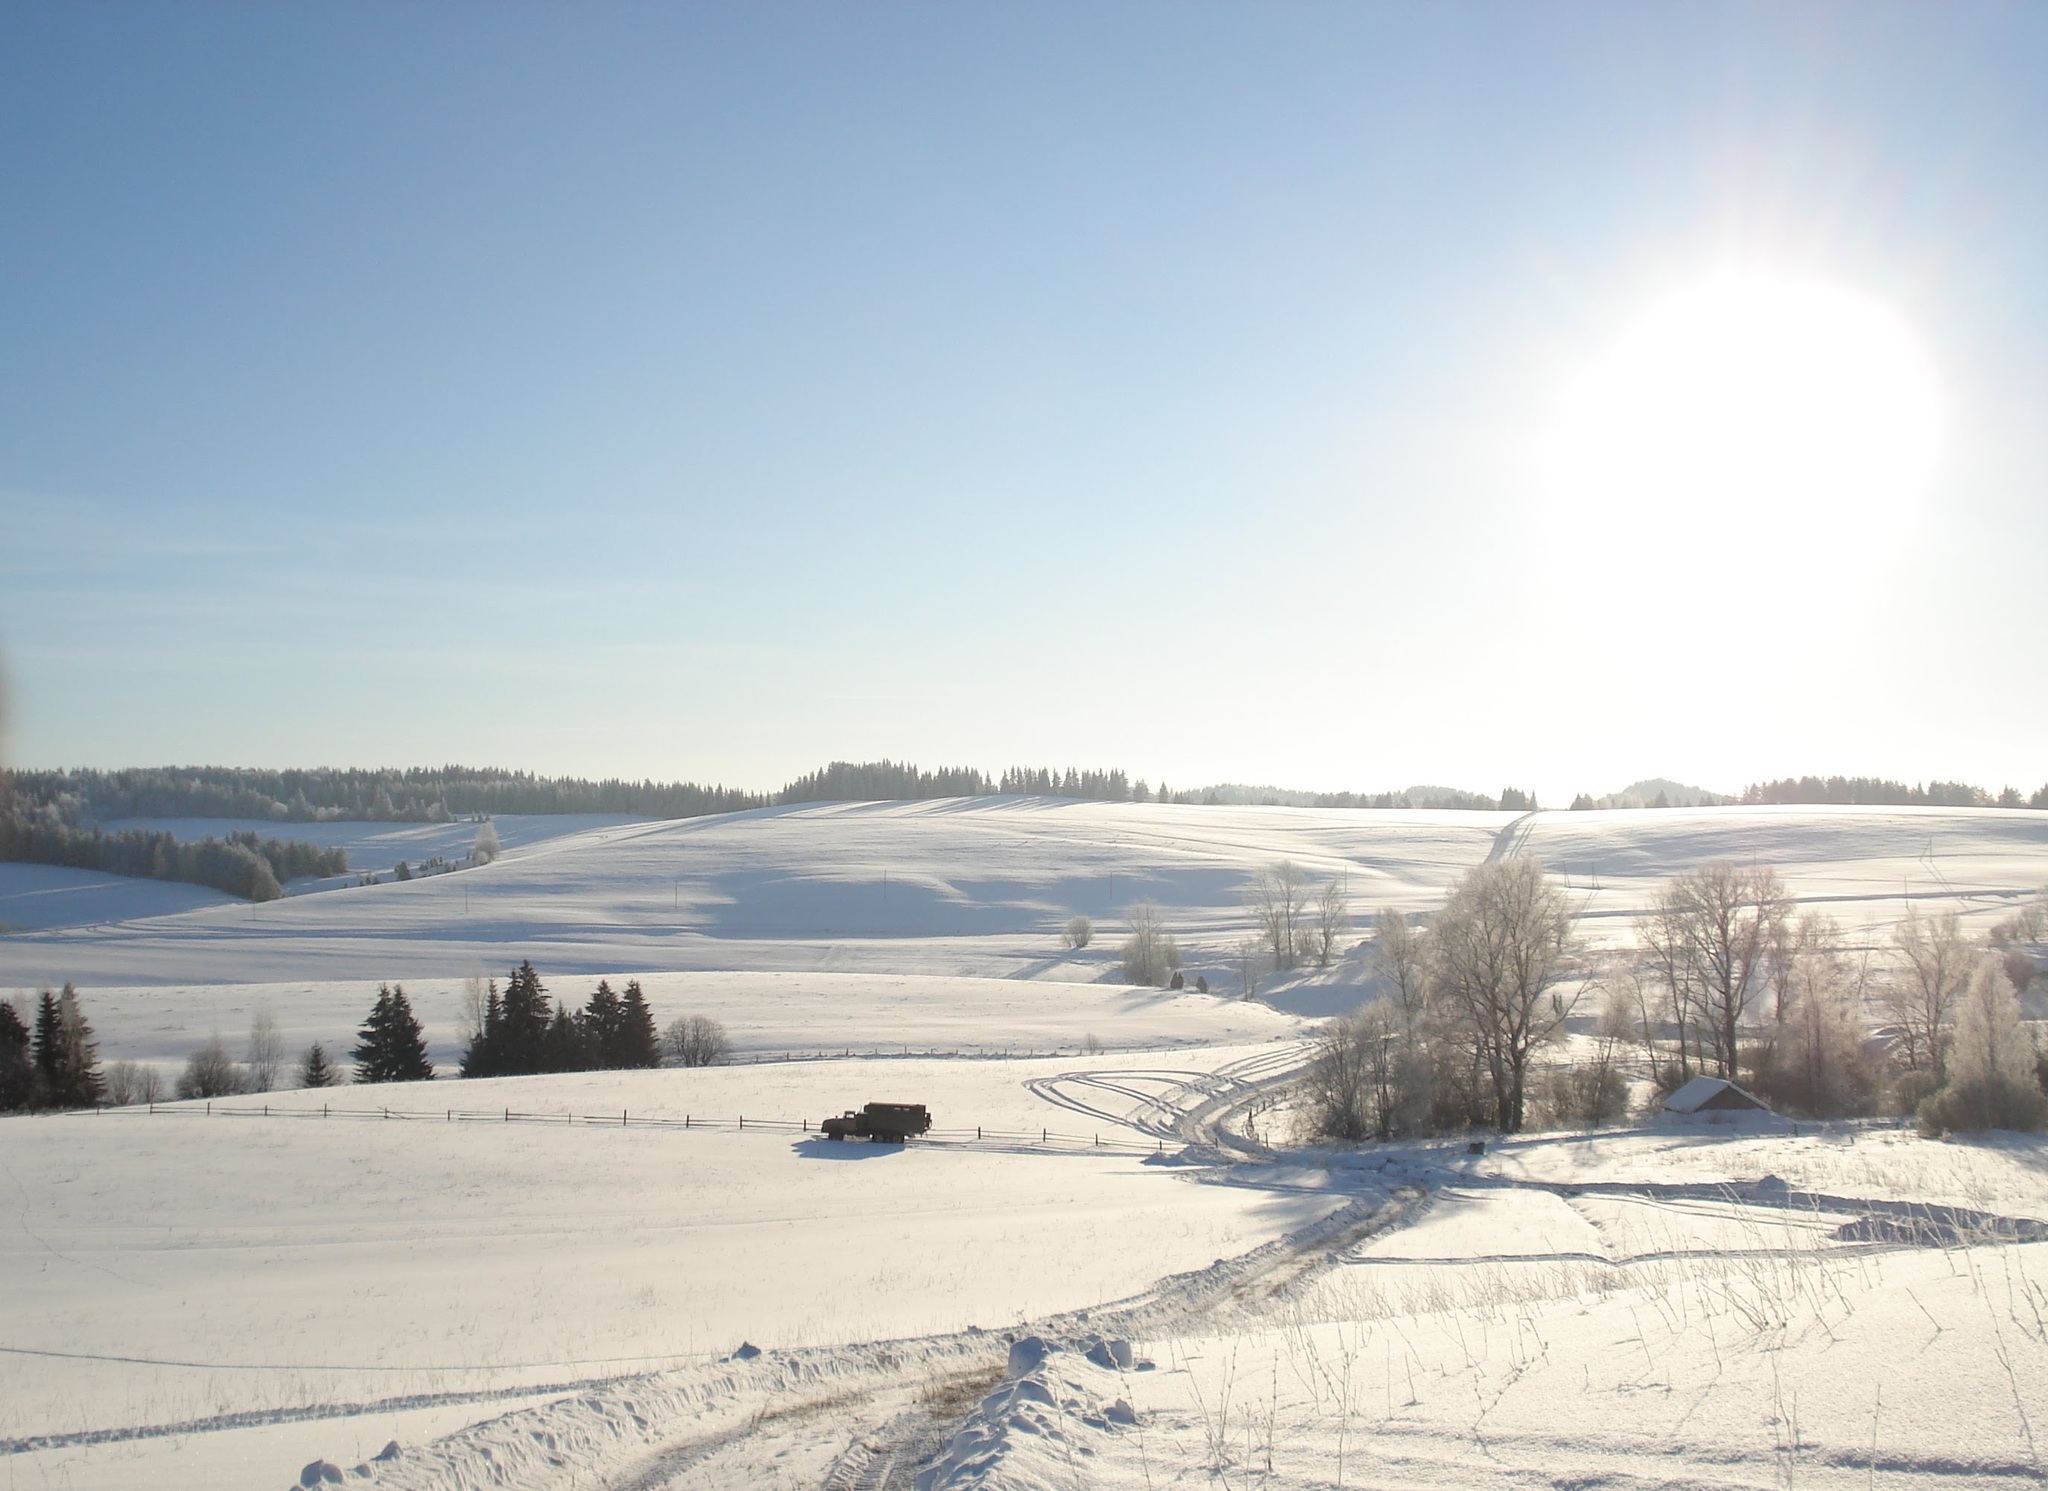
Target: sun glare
(1758, 421)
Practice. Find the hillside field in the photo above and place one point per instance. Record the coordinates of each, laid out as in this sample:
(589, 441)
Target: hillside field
(1111, 1264)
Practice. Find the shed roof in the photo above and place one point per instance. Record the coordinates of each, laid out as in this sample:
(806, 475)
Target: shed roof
(1711, 1094)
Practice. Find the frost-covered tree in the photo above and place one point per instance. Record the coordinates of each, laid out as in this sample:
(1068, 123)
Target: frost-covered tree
(1277, 898)
(1500, 950)
(486, 847)
(1719, 923)
(130, 1084)
(1151, 955)
(1937, 959)
(210, 1072)
(1812, 1059)
(1332, 921)
(1991, 1075)
(1077, 933)
(265, 1057)
(1398, 949)
(1369, 1078)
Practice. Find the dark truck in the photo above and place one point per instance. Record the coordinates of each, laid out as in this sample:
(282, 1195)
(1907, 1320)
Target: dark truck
(884, 1123)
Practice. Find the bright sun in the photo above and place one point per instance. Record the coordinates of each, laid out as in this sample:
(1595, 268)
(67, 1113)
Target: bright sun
(1755, 421)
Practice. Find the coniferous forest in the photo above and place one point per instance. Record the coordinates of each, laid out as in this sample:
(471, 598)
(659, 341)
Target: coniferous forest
(522, 1031)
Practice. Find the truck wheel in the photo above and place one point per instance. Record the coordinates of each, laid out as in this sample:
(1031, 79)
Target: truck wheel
(835, 1138)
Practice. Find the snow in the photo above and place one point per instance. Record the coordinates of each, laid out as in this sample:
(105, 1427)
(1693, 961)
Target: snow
(543, 1282)
(766, 1015)
(39, 897)
(304, 1259)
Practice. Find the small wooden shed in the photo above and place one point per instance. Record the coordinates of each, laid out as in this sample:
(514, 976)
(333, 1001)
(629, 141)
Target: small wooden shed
(1713, 1095)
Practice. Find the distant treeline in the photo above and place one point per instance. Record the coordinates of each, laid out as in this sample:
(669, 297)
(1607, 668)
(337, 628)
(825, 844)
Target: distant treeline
(416, 795)
(242, 864)
(82, 799)
(1877, 792)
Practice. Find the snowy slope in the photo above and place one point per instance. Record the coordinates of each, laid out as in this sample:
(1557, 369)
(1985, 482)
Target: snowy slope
(40, 897)
(178, 1267)
(976, 886)
(1863, 866)
(980, 887)
(765, 1014)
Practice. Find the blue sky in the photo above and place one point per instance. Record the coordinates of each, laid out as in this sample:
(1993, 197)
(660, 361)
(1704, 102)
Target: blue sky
(707, 392)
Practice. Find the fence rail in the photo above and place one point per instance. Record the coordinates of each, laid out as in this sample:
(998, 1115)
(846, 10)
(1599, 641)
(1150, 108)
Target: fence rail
(1044, 1138)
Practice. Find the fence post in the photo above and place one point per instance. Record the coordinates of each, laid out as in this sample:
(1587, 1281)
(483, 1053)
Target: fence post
(1041, 1136)
(622, 1118)
(743, 1122)
(209, 1109)
(977, 1131)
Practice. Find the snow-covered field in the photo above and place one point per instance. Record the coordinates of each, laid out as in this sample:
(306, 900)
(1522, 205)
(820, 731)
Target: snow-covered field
(555, 1299)
(980, 887)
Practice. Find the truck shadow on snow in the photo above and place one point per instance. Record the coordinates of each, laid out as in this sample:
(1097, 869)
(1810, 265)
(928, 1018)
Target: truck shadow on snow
(819, 1148)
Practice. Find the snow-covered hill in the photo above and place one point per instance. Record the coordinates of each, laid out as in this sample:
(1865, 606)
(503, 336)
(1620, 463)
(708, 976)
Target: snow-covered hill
(981, 886)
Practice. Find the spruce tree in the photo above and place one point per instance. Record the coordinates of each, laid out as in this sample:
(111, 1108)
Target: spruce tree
(523, 1033)
(639, 1043)
(371, 1039)
(562, 1048)
(47, 1052)
(406, 1042)
(483, 1056)
(315, 1070)
(84, 1086)
(17, 1070)
(600, 1024)
(66, 1069)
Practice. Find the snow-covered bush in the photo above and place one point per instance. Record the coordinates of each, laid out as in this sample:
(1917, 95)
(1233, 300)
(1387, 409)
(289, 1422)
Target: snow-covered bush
(1992, 1082)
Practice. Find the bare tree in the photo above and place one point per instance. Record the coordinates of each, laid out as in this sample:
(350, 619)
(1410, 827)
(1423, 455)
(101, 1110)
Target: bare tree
(1668, 964)
(210, 1072)
(1077, 933)
(1278, 900)
(265, 1058)
(696, 1040)
(1399, 949)
(1592, 1090)
(477, 992)
(1499, 950)
(1922, 1000)
(1151, 955)
(1332, 920)
(1721, 921)
(1350, 1091)
(1250, 962)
